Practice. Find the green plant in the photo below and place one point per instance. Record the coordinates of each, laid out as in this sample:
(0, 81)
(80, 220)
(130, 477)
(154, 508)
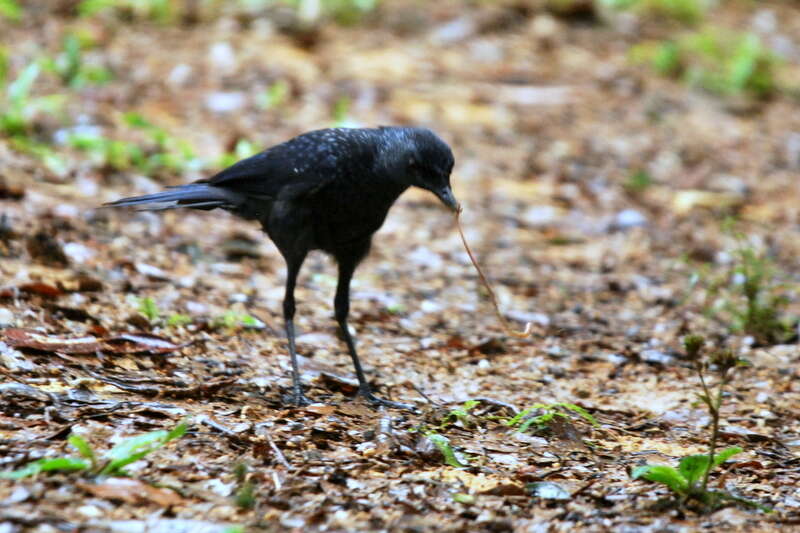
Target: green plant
(112, 463)
(747, 296)
(688, 11)
(245, 494)
(720, 61)
(69, 65)
(275, 96)
(178, 319)
(149, 309)
(109, 153)
(525, 420)
(442, 443)
(10, 9)
(18, 107)
(343, 11)
(460, 415)
(232, 320)
(689, 481)
(161, 11)
(242, 150)
(165, 152)
(638, 181)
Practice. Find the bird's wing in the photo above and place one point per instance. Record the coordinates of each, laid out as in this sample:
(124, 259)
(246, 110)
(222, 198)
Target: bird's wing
(290, 170)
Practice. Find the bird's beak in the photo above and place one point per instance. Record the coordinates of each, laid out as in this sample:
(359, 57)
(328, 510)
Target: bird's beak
(445, 194)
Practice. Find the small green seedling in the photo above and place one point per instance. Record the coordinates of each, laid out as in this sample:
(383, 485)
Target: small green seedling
(442, 443)
(638, 182)
(233, 320)
(11, 10)
(177, 320)
(686, 11)
(70, 66)
(245, 495)
(747, 296)
(549, 411)
(161, 11)
(690, 480)
(719, 61)
(686, 481)
(149, 309)
(112, 463)
(275, 96)
(460, 415)
(18, 107)
(242, 150)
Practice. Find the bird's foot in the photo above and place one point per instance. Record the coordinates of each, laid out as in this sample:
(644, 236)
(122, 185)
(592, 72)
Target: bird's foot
(299, 399)
(380, 402)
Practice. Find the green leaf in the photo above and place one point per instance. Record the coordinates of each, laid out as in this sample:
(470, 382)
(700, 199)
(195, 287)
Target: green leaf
(82, 446)
(45, 465)
(466, 499)
(443, 444)
(726, 454)
(662, 474)
(693, 468)
(131, 450)
(177, 319)
(20, 88)
(148, 308)
(88, 8)
(10, 9)
(580, 411)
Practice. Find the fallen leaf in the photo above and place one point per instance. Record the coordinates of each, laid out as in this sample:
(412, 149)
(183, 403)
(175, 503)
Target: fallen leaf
(547, 490)
(20, 338)
(140, 343)
(121, 344)
(131, 491)
(41, 289)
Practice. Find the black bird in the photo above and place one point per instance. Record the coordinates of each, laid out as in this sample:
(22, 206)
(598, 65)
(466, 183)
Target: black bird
(326, 190)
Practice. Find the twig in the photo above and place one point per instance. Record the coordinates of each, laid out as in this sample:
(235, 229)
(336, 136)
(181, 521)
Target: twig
(506, 326)
(277, 451)
(422, 393)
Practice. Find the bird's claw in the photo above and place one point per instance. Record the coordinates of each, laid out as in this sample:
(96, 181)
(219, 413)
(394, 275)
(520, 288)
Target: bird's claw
(380, 402)
(298, 399)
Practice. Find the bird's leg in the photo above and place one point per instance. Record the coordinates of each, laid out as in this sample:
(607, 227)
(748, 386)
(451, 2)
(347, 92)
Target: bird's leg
(293, 268)
(341, 306)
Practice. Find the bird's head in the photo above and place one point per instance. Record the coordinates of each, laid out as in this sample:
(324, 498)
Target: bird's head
(421, 159)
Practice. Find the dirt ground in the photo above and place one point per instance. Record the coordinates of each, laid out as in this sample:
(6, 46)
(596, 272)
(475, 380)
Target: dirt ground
(552, 125)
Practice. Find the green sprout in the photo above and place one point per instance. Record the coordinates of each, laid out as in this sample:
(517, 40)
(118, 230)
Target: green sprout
(161, 11)
(11, 10)
(460, 415)
(548, 412)
(149, 309)
(112, 463)
(442, 443)
(689, 481)
(69, 65)
(687, 11)
(275, 96)
(177, 320)
(232, 320)
(719, 61)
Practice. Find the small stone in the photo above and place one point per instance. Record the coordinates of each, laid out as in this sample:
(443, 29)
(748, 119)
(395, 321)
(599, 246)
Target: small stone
(224, 102)
(6, 317)
(629, 218)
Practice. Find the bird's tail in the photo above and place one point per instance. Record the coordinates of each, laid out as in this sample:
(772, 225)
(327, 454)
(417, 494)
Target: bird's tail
(193, 195)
